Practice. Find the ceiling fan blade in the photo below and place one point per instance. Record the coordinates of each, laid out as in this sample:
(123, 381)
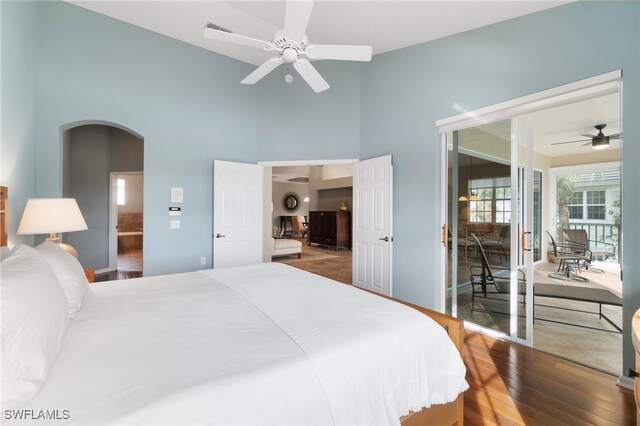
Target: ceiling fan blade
(588, 143)
(615, 136)
(344, 53)
(311, 75)
(234, 38)
(562, 143)
(587, 135)
(296, 18)
(262, 70)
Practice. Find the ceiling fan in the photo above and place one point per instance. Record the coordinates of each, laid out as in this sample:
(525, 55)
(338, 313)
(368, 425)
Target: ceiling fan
(599, 141)
(292, 46)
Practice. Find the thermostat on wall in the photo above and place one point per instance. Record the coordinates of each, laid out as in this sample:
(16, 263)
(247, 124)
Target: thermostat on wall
(175, 211)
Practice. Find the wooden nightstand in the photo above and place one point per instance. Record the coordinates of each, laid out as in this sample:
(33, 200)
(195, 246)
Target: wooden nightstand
(91, 274)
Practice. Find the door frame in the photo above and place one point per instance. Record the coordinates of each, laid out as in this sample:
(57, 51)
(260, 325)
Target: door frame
(592, 87)
(113, 219)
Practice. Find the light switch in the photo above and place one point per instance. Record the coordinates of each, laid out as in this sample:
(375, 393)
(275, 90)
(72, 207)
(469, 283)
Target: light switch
(174, 224)
(176, 195)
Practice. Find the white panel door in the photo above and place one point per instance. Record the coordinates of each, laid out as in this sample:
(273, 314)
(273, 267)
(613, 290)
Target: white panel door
(372, 224)
(237, 214)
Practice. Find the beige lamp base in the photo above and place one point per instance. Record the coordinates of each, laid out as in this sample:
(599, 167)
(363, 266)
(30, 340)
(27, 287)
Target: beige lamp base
(72, 251)
(66, 247)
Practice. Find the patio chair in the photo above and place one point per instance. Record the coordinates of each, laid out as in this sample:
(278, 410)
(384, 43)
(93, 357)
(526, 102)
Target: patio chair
(497, 246)
(465, 244)
(579, 239)
(571, 259)
(487, 280)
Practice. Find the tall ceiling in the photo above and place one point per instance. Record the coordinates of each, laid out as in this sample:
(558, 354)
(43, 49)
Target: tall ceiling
(384, 25)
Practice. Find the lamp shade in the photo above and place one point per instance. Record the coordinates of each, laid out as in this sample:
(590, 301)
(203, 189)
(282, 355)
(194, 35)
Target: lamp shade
(51, 215)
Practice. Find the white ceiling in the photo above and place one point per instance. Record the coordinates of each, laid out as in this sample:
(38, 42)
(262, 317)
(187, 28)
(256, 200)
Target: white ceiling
(384, 25)
(567, 123)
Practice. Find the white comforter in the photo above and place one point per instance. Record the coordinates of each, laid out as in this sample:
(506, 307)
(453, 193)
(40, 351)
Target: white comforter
(263, 344)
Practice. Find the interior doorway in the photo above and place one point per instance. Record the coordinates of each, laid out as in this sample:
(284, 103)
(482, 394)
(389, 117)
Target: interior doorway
(92, 152)
(126, 223)
(312, 205)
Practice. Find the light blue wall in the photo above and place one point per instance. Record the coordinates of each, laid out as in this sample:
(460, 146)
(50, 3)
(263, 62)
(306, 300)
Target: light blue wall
(295, 123)
(406, 91)
(184, 101)
(19, 49)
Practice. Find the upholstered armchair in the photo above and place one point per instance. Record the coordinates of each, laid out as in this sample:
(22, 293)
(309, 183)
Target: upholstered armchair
(300, 226)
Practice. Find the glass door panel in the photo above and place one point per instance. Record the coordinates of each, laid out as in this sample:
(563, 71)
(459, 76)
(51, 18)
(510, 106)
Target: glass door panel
(524, 223)
(480, 213)
(537, 216)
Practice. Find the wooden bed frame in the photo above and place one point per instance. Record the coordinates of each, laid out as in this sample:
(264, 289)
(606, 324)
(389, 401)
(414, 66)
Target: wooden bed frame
(436, 415)
(4, 198)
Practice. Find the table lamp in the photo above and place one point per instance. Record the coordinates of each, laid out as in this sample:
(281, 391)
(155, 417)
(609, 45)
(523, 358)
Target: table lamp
(50, 216)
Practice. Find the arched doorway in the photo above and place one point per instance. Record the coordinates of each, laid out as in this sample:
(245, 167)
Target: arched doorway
(103, 166)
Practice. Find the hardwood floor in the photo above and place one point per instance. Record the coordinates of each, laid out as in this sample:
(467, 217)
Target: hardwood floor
(511, 384)
(129, 266)
(117, 275)
(322, 260)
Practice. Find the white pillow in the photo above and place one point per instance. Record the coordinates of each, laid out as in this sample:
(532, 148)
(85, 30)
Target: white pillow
(35, 315)
(69, 272)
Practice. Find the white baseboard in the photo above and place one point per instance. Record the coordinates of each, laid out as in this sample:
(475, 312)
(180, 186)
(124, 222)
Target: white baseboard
(626, 382)
(102, 271)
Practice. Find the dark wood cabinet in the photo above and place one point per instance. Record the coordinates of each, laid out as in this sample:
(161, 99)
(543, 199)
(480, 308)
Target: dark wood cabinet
(331, 228)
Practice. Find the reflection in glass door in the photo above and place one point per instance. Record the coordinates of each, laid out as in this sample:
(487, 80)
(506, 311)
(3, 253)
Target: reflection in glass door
(486, 268)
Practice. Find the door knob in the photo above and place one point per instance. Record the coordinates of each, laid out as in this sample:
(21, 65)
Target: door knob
(220, 236)
(384, 239)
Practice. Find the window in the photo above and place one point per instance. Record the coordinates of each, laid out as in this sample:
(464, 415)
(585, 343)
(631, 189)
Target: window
(589, 205)
(576, 209)
(120, 191)
(481, 211)
(503, 205)
(596, 205)
(495, 201)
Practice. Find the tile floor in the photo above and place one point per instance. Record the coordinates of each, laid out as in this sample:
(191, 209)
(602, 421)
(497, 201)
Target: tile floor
(323, 261)
(601, 349)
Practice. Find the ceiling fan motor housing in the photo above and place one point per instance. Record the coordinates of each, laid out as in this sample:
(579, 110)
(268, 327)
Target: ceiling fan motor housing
(292, 47)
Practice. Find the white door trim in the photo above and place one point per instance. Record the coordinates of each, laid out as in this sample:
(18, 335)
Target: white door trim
(588, 88)
(306, 162)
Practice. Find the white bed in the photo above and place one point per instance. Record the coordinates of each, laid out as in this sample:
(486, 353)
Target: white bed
(262, 344)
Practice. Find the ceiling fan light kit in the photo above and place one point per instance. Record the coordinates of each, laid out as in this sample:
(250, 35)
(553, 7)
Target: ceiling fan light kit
(599, 141)
(292, 47)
